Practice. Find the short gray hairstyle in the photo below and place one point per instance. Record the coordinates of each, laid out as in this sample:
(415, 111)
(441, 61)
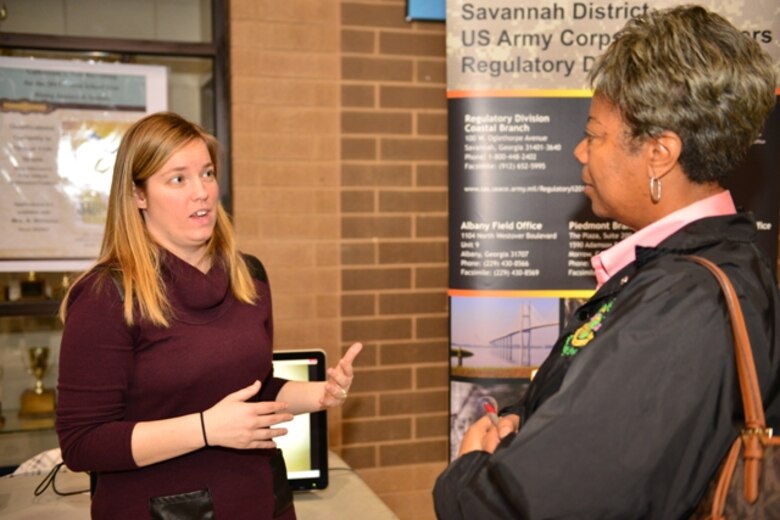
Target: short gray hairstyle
(690, 71)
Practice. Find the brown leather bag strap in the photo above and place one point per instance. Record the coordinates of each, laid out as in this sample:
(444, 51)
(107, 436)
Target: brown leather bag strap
(755, 433)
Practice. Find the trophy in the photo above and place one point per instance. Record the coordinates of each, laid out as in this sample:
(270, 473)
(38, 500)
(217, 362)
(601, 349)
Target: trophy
(32, 288)
(2, 417)
(38, 402)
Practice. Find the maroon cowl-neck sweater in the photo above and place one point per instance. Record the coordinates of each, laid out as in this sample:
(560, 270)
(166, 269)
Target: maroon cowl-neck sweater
(112, 376)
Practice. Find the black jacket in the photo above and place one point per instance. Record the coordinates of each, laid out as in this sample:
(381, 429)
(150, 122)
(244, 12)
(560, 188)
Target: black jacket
(631, 421)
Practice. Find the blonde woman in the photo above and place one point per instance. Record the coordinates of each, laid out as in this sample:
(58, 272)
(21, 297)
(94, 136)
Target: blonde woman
(166, 390)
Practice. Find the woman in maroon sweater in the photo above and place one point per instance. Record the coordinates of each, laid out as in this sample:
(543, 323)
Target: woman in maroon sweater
(166, 389)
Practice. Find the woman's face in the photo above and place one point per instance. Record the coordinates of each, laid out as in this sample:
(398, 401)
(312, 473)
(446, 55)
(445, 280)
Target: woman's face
(615, 176)
(179, 202)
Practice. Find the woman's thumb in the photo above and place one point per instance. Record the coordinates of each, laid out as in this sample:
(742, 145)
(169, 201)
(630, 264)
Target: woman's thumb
(246, 392)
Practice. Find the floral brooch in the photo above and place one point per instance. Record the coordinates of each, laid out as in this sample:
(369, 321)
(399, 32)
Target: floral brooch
(586, 332)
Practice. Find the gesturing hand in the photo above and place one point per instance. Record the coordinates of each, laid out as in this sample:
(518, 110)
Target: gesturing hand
(235, 423)
(340, 378)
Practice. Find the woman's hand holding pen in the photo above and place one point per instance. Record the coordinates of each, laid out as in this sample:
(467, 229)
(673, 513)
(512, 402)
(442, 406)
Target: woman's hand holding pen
(508, 424)
(486, 433)
(235, 423)
(340, 378)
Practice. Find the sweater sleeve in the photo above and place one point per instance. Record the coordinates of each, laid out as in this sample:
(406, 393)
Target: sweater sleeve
(96, 356)
(270, 385)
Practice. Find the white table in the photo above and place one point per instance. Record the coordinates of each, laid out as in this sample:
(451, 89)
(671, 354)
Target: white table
(347, 496)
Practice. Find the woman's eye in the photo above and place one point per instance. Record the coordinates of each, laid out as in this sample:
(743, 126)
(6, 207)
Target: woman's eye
(177, 179)
(208, 173)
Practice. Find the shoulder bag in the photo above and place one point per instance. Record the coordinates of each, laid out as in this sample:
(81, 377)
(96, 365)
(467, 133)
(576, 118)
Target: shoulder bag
(747, 484)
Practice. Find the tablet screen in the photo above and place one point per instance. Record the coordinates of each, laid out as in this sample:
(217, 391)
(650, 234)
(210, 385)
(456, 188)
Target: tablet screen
(305, 447)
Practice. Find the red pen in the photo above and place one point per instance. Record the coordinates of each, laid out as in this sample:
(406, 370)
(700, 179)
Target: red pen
(491, 412)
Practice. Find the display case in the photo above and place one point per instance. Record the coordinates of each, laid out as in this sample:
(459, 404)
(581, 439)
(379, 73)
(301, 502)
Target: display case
(30, 333)
(191, 43)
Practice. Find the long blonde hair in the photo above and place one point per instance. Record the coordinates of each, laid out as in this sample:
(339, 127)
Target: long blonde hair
(128, 252)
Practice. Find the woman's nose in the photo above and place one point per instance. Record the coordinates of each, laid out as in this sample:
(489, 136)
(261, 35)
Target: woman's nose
(581, 151)
(200, 190)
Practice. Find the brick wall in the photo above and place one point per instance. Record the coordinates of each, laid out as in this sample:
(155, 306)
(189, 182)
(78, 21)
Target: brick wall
(340, 187)
(394, 249)
(285, 95)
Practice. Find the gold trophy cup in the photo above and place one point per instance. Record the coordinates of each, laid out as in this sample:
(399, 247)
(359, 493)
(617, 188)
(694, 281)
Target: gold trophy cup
(38, 402)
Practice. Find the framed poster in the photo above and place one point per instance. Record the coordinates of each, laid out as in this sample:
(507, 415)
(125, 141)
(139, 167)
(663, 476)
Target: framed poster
(60, 124)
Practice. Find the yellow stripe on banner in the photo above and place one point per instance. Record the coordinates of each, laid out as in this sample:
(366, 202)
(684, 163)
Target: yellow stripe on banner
(521, 93)
(563, 293)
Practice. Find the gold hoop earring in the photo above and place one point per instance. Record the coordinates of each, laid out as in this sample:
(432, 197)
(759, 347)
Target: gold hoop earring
(655, 189)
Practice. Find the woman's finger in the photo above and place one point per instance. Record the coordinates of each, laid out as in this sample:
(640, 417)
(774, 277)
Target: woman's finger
(351, 354)
(268, 407)
(337, 378)
(244, 393)
(270, 433)
(508, 424)
(268, 420)
(263, 445)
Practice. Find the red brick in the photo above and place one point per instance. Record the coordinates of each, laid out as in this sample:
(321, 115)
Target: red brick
(369, 15)
(358, 305)
(416, 149)
(432, 426)
(431, 277)
(375, 278)
(358, 457)
(412, 252)
(376, 175)
(433, 377)
(430, 226)
(376, 69)
(432, 327)
(432, 124)
(357, 201)
(358, 149)
(376, 123)
(431, 72)
(431, 175)
(407, 44)
(379, 380)
(415, 352)
(412, 453)
(413, 303)
(357, 96)
(391, 96)
(359, 406)
(401, 403)
(412, 201)
(376, 329)
(357, 41)
(376, 430)
(376, 227)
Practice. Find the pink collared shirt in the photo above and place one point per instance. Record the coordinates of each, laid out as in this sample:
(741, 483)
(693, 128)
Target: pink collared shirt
(612, 260)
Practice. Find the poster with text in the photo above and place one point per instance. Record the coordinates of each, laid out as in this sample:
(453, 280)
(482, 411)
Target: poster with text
(60, 125)
(522, 232)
